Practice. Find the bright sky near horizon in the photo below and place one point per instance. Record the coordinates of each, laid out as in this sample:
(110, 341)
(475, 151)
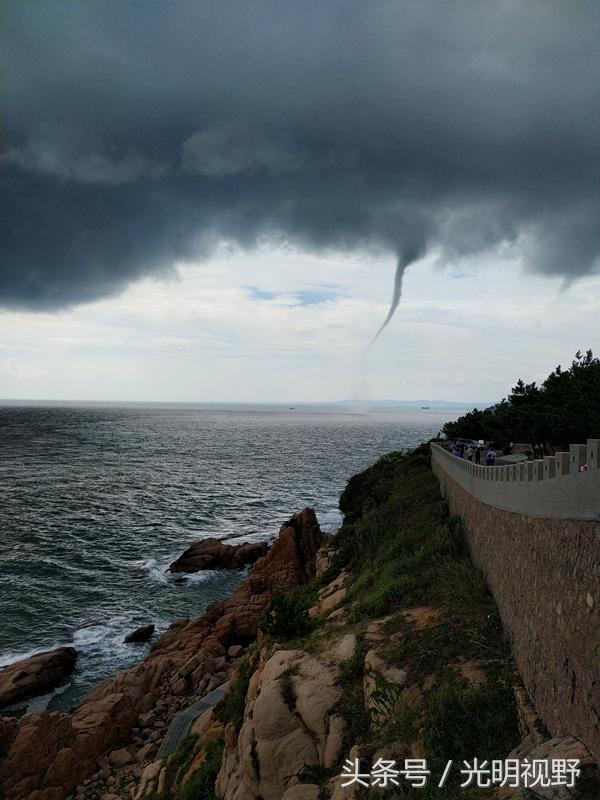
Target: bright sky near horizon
(284, 325)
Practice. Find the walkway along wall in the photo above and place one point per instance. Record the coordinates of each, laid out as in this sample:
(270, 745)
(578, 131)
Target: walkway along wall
(536, 538)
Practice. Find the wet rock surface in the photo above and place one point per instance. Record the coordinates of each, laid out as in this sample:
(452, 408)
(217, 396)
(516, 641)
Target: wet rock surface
(140, 634)
(213, 554)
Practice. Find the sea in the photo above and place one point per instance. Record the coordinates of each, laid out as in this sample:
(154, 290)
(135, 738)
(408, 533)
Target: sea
(97, 501)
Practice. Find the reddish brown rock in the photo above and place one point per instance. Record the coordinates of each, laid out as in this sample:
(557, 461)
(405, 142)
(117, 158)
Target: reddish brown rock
(36, 674)
(213, 554)
(53, 752)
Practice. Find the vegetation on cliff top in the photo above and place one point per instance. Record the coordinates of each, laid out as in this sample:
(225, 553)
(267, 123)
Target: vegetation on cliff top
(563, 410)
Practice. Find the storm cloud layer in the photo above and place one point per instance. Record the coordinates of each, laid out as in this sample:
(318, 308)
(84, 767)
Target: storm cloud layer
(139, 133)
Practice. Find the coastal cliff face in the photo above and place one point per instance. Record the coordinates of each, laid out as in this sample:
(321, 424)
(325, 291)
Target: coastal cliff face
(380, 643)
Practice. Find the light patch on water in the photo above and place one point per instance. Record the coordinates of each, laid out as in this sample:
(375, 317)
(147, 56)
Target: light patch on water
(105, 636)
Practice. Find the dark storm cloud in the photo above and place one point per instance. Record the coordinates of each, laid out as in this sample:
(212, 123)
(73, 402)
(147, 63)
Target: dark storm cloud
(137, 133)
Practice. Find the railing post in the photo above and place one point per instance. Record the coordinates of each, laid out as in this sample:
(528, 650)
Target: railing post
(593, 453)
(538, 469)
(562, 459)
(578, 456)
(549, 467)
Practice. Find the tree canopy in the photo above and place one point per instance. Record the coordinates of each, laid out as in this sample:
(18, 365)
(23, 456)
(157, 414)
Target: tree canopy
(563, 410)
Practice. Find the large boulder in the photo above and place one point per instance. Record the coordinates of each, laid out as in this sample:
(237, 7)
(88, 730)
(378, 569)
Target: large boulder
(36, 674)
(290, 725)
(213, 554)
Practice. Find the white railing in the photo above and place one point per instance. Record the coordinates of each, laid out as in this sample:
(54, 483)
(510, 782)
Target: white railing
(553, 486)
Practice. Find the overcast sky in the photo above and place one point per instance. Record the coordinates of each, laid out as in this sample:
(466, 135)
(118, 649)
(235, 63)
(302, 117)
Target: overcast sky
(208, 201)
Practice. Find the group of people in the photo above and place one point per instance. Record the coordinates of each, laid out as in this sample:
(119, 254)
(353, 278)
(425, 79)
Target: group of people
(472, 452)
(462, 450)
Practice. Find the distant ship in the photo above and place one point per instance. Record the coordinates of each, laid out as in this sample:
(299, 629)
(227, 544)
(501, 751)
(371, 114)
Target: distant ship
(425, 407)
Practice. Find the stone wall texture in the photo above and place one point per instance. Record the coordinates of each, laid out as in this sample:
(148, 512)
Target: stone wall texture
(544, 575)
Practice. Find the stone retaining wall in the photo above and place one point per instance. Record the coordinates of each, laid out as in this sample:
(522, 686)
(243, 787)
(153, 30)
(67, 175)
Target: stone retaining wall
(544, 574)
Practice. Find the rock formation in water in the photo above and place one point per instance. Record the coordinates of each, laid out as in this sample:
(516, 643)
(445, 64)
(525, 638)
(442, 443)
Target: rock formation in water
(140, 634)
(213, 554)
(35, 675)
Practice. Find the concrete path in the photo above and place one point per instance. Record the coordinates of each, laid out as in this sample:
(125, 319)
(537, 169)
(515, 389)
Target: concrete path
(516, 458)
(182, 722)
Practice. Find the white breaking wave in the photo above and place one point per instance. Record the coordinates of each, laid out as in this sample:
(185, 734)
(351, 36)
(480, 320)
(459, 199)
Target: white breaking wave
(157, 568)
(12, 656)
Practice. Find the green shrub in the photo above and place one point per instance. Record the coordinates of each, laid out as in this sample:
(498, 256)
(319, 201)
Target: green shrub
(287, 617)
(201, 786)
(467, 722)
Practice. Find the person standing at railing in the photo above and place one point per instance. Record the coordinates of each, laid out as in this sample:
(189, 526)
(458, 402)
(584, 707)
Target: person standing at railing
(490, 458)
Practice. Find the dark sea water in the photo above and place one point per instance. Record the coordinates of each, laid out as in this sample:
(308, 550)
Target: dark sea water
(95, 502)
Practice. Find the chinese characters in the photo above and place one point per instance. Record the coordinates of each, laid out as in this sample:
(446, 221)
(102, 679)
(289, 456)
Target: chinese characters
(483, 774)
